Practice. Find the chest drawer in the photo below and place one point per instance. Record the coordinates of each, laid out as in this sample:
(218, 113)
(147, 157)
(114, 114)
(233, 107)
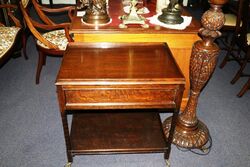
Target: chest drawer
(122, 97)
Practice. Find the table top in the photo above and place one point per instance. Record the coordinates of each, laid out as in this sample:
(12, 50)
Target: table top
(107, 63)
(116, 10)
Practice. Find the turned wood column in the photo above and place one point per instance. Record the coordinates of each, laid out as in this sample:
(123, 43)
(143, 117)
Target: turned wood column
(190, 132)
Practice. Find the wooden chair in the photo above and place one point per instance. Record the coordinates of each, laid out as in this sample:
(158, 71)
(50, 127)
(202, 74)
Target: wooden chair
(233, 16)
(244, 89)
(51, 38)
(9, 35)
(241, 39)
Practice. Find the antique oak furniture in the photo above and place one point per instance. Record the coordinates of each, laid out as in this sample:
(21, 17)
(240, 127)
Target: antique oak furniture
(190, 131)
(115, 92)
(179, 41)
(51, 38)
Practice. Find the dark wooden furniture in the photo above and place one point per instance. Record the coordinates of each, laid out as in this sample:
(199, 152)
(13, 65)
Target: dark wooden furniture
(51, 38)
(114, 92)
(180, 42)
(190, 131)
(11, 31)
(4, 16)
(233, 16)
(241, 39)
(245, 88)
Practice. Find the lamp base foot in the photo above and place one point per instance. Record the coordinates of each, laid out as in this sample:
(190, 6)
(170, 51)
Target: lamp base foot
(186, 137)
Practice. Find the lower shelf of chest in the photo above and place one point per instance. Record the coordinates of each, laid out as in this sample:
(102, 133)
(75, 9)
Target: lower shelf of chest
(107, 133)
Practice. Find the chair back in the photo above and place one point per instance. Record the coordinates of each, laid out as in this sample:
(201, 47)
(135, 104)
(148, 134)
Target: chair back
(32, 24)
(234, 16)
(240, 12)
(41, 14)
(244, 29)
(241, 9)
(9, 33)
(10, 9)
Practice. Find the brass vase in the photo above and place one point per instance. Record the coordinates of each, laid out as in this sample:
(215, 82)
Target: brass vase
(96, 12)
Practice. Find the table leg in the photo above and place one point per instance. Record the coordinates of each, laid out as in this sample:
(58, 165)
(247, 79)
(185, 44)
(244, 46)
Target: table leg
(191, 132)
(60, 95)
(172, 126)
(66, 136)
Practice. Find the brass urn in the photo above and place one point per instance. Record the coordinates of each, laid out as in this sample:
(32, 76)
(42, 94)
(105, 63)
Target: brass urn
(171, 14)
(96, 12)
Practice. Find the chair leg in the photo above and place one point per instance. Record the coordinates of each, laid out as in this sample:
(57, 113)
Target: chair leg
(44, 60)
(224, 61)
(239, 73)
(229, 52)
(41, 61)
(24, 42)
(242, 67)
(244, 89)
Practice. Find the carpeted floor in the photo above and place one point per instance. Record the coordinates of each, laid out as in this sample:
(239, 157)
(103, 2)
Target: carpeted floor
(32, 135)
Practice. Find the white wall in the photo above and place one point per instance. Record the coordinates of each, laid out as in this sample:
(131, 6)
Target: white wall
(59, 1)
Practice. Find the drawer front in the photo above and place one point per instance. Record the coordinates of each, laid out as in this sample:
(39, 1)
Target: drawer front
(120, 98)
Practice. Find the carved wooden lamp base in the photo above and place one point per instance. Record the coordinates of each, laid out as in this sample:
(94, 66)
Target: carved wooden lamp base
(192, 137)
(190, 132)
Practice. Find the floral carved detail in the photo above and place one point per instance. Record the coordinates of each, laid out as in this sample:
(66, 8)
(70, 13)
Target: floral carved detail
(213, 19)
(202, 64)
(190, 139)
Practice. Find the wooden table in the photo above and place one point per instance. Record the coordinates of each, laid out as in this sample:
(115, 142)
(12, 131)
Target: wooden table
(114, 92)
(179, 41)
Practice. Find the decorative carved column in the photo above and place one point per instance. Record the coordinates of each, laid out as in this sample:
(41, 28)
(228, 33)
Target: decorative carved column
(190, 132)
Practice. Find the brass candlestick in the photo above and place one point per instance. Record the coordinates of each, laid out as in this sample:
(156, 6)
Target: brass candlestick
(191, 132)
(133, 17)
(171, 14)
